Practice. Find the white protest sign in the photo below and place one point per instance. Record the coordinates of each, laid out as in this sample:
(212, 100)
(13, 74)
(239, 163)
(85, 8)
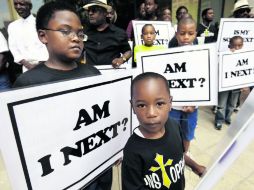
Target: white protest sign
(109, 69)
(230, 27)
(63, 135)
(236, 70)
(191, 72)
(164, 31)
(237, 138)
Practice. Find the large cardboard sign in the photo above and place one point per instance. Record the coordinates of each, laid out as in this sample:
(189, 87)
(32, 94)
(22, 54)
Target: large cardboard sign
(230, 27)
(191, 72)
(164, 31)
(237, 138)
(63, 135)
(236, 70)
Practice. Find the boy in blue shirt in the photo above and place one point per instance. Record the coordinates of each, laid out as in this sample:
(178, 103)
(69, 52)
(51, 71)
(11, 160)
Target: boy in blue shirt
(186, 115)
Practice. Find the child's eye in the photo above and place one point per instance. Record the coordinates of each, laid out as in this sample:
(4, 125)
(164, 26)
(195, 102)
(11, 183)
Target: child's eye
(140, 105)
(159, 104)
(65, 32)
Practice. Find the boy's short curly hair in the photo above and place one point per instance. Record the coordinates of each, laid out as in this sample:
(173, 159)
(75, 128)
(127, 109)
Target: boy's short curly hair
(146, 76)
(47, 11)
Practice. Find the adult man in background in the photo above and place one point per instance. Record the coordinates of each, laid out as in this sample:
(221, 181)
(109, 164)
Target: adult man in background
(23, 41)
(242, 9)
(106, 43)
(151, 7)
(206, 29)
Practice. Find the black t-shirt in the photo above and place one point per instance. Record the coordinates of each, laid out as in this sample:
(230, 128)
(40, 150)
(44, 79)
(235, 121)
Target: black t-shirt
(103, 46)
(210, 33)
(43, 74)
(154, 163)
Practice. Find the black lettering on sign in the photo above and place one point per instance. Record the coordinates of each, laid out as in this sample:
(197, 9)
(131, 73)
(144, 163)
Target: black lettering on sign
(85, 145)
(248, 39)
(176, 68)
(45, 164)
(241, 32)
(241, 73)
(84, 118)
(182, 83)
(225, 39)
(242, 62)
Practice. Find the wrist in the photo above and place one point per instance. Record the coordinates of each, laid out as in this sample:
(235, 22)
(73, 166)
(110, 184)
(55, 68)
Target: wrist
(124, 59)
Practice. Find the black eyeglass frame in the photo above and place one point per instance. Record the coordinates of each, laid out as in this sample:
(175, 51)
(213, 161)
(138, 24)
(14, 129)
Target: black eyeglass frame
(70, 33)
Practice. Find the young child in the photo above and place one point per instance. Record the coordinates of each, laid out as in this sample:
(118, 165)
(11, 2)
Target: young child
(186, 115)
(59, 28)
(148, 36)
(154, 154)
(227, 100)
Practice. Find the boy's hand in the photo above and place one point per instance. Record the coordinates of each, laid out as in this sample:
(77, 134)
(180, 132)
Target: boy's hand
(188, 109)
(27, 64)
(195, 167)
(118, 162)
(245, 90)
(199, 170)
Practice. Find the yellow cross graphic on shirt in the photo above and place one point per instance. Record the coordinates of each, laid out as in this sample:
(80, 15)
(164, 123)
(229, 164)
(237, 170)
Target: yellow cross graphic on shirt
(162, 167)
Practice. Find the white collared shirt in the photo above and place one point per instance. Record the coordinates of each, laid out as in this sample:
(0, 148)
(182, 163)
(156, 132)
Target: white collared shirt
(24, 42)
(3, 43)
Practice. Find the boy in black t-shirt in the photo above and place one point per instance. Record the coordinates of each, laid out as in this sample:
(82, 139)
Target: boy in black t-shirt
(59, 28)
(154, 155)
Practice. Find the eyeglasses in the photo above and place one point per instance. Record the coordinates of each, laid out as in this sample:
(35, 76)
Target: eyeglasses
(70, 33)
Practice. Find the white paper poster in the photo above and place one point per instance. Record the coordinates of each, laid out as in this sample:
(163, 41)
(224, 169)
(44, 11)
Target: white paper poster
(230, 27)
(236, 70)
(63, 135)
(191, 72)
(163, 29)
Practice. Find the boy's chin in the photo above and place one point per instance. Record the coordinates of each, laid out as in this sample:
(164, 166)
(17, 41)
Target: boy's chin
(149, 44)
(185, 44)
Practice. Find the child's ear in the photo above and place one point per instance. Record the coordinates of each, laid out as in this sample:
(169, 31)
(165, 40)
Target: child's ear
(42, 36)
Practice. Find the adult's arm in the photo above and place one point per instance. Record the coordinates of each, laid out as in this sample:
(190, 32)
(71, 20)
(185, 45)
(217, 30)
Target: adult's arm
(118, 61)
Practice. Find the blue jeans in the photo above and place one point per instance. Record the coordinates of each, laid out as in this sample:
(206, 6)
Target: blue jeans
(226, 103)
(103, 182)
(4, 81)
(187, 121)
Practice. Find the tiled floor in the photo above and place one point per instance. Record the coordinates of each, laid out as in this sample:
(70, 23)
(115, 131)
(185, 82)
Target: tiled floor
(240, 176)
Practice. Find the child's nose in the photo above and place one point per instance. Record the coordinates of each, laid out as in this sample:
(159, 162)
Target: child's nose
(186, 36)
(151, 111)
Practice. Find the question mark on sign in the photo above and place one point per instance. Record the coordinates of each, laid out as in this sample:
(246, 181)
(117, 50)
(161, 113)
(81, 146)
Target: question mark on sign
(202, 80)
(124, 122)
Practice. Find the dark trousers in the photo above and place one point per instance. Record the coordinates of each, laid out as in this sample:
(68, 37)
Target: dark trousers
(104, 182)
